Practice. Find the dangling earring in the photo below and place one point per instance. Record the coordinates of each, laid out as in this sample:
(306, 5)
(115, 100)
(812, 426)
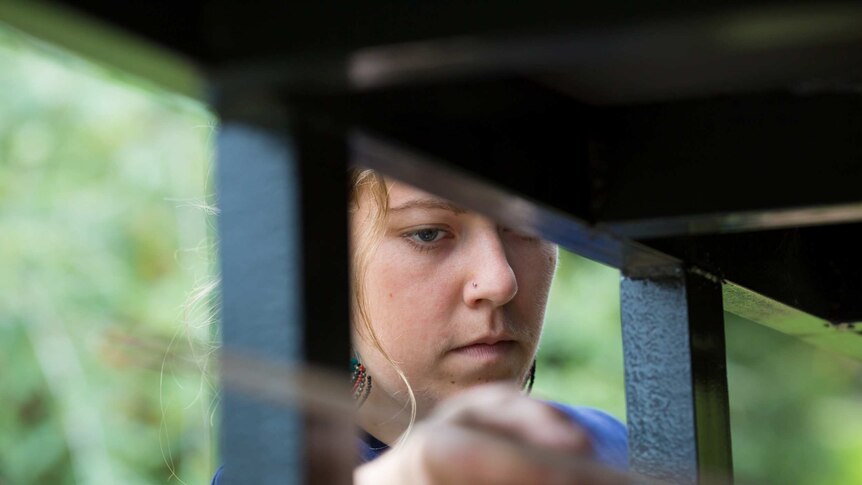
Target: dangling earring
(361, 382)
(530, 378)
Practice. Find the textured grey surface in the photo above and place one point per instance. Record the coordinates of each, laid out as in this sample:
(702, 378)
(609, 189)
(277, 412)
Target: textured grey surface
(261, 272)
(676, 388)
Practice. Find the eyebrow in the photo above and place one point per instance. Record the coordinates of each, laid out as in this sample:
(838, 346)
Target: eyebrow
(428, 203)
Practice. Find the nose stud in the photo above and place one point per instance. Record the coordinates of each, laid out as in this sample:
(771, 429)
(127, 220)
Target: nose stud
(475, 285)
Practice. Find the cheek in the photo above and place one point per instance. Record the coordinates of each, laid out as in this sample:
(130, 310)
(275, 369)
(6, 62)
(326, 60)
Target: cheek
(534, 268)
(409, 304)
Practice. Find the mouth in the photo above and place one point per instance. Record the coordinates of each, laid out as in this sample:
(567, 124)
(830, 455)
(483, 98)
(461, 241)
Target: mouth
(487, 351)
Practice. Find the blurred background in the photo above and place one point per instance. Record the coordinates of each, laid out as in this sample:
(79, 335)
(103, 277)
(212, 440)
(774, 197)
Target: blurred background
(105, 239)
(107, 270)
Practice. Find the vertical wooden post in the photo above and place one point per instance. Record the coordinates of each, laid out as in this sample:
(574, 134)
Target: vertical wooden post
(676, 376)
(282, 193)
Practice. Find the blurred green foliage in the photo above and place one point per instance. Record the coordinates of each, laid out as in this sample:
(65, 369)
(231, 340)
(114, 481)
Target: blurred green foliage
(104, 241)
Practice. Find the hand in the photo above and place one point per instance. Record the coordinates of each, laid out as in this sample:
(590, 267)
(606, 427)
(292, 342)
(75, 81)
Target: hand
(490, 434)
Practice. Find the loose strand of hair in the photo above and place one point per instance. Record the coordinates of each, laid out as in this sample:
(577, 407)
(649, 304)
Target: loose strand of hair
(372, 182)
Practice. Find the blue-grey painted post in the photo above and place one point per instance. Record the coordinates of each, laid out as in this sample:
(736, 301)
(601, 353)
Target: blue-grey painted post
(283, 243)
(676, 376)
(258, 197)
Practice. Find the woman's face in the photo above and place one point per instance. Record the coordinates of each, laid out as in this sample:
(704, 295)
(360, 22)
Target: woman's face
(455, 299)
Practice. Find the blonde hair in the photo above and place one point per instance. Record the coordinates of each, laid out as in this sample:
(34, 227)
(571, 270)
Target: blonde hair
(370, 185)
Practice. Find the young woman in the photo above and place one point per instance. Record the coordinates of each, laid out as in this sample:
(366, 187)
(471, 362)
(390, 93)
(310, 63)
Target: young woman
(447, 301)
(447, 313)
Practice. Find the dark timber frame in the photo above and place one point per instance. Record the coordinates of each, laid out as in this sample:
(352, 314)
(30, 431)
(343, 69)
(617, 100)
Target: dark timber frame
(285, 301)
(713, 156)
(676, 377)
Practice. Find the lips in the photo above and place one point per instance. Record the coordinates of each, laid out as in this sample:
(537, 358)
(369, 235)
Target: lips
(487, 349)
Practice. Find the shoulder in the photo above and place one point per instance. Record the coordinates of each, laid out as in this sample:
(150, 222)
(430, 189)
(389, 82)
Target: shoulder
(370, 447)
(608, 434)
(217, 476)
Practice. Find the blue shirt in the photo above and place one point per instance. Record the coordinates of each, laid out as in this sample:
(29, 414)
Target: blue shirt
(607, 434)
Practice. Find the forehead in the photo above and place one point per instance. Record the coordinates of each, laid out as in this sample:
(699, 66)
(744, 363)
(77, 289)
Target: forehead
(400, 192)
(404, 197)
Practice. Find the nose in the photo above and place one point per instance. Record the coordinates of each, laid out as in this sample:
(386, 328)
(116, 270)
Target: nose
(491, 278)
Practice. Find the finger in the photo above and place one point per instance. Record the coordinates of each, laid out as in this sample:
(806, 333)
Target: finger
(504, 410)
(462, 455)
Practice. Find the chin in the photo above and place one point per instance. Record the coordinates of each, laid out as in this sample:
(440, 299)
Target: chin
(486, 375)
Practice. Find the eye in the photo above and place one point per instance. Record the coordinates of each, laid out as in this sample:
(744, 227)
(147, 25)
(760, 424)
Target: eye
(426, 238)
(427, 235)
